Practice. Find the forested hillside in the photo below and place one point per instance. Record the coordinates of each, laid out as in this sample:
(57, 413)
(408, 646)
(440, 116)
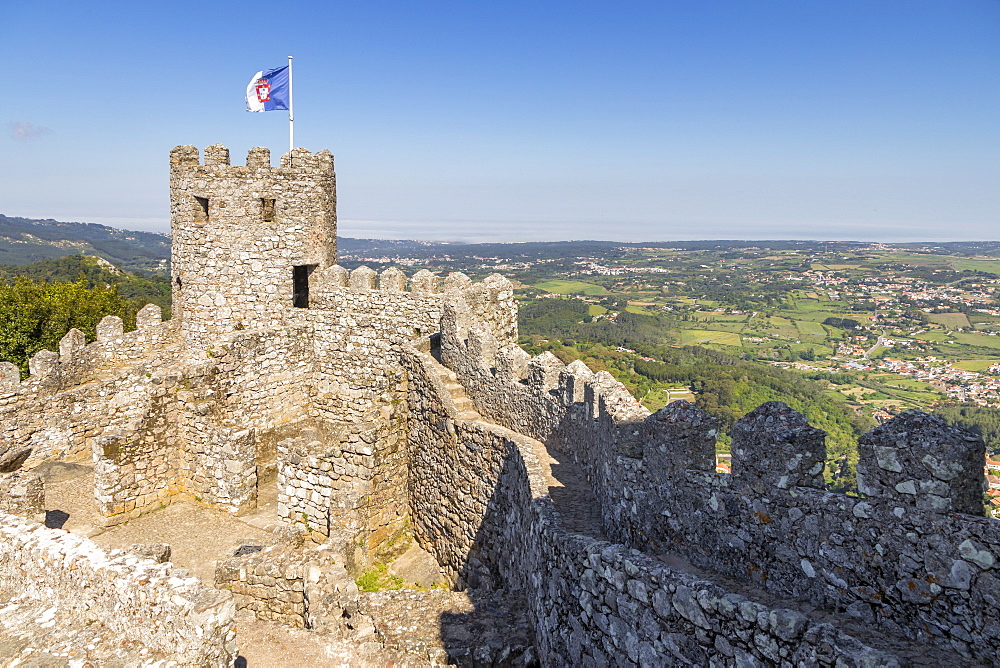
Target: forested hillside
(40, 302)
(25, 240)
(981, 420)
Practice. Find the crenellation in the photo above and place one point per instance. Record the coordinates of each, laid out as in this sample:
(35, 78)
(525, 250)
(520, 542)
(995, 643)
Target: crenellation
(148, 316)
(512, 362)
(543, 372)
(572, 380)
(43, 364)
(70, 343)
(323, 161)
(619, 401)
(680, 436)
(110, 328)
(392, 280)
(303, 159)
(456, 282)
(362, 278)
(338, 276)
(916, 460)
(774, 447)
(216, 155)
(259, 158)
(423, 283)
(10, 377)
(184, 156)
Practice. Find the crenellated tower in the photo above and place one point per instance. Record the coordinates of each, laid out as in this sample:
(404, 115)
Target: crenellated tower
(246, 239)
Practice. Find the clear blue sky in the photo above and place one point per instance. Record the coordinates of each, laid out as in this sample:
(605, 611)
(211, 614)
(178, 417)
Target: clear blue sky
(809, 119)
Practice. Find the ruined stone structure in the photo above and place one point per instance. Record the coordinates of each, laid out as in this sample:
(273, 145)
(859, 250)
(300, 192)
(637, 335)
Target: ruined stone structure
(381, 403)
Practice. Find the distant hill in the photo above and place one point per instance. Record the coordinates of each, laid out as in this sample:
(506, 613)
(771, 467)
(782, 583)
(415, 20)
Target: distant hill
(137, 288)
(26, 240)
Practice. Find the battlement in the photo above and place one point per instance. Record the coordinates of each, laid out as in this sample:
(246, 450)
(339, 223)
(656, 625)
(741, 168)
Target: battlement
(364, 279)
(77, 358)
(216, 157)
(906, 558)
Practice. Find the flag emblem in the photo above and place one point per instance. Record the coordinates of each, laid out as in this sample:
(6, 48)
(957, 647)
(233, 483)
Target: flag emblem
(268, 90)
(263, 87)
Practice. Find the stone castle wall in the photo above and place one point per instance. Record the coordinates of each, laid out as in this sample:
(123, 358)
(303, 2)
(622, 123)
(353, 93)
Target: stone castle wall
(281, 363)
(908, 559)
(345, 483)
(123, 592)
(480, 504)
(72, 397)
(161, 415)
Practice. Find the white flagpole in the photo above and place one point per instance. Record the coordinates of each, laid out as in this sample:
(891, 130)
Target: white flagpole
(291, 117)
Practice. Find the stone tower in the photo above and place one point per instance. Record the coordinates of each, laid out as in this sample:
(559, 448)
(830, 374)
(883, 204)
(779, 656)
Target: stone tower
(247, 239)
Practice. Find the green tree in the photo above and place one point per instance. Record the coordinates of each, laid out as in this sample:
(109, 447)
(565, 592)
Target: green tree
(36, 315)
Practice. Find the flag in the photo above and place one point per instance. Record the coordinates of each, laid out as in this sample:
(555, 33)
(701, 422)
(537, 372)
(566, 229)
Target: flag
(268, 90)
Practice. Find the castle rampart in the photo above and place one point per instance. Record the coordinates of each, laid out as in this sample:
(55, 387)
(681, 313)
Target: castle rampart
(901, 560)
(480, 504)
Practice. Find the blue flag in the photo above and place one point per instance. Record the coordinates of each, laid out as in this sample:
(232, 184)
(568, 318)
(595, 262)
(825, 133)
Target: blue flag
(268, 90)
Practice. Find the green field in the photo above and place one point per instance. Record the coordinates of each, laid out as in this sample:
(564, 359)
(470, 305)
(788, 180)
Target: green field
(822, 266)
(700, 336)
(990, 266)
(560, 287)
(949, 320)
(723, 317)
(918, 259)
(639, 309)
(975, 365)
(596, 309)
(782, 327)
(983, 340)
(809, 329)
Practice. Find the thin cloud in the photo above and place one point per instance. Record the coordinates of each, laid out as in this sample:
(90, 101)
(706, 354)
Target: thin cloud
(25, 131)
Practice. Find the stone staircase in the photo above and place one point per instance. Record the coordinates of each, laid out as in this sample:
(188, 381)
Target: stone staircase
(466, 409)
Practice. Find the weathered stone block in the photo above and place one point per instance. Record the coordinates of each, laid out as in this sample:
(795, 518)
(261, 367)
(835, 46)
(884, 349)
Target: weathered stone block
(916, 459)
(110, 328)
(43, 363)
(774, 447)
(73, 341)
(10, 376)
(679, 436)
(362, 278)
(148, 316)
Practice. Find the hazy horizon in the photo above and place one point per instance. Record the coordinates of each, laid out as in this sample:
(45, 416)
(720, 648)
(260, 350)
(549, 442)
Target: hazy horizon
(359, 233)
